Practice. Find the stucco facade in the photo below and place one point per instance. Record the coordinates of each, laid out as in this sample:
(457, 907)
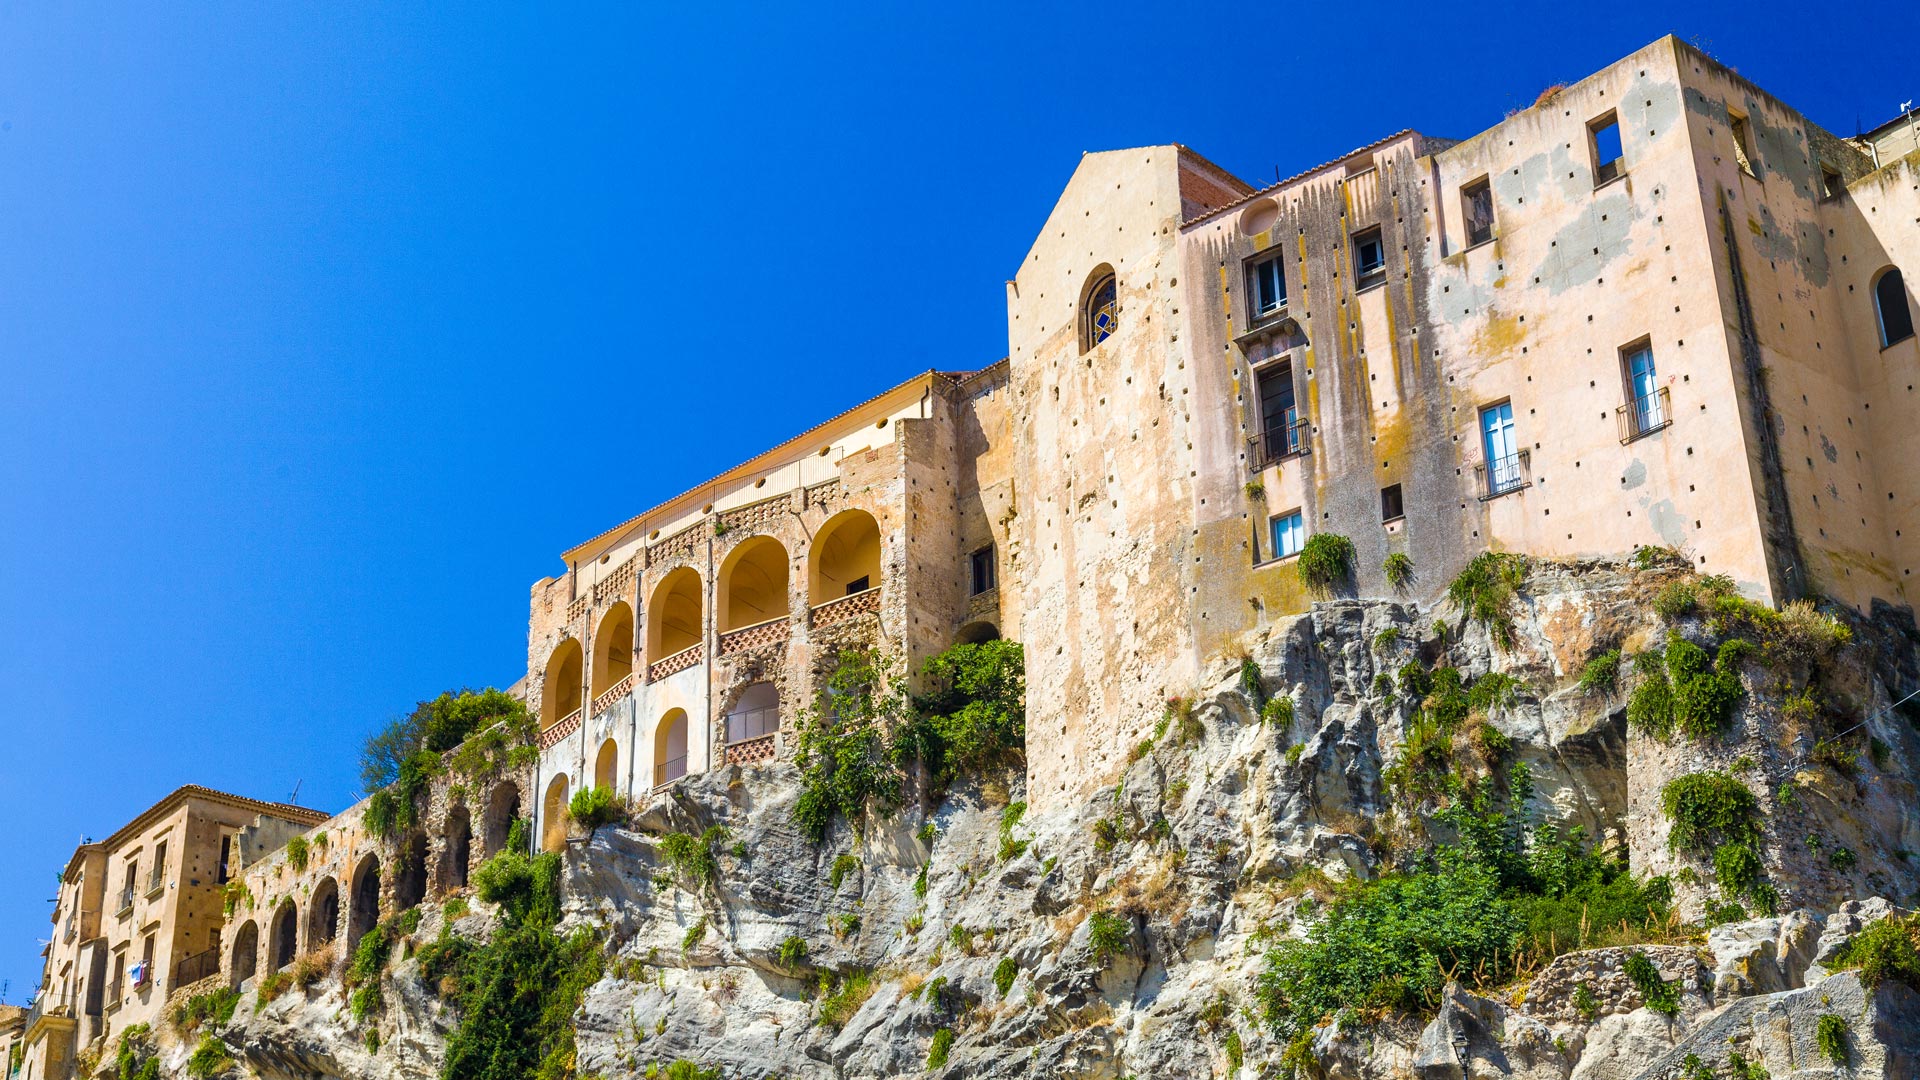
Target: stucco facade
(1640, 312)
(139, 915)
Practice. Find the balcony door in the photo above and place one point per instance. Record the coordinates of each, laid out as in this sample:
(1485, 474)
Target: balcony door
(1496, 431)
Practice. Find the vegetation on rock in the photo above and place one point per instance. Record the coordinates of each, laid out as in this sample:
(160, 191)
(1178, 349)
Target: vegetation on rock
(1325, 562)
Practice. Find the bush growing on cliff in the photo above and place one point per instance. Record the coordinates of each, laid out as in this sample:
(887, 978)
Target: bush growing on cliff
(1399, 569)
(1680, 689)
(841, 745)
(593, 807)
(209, 1059)
(1485, 592)
(1708, 809)
(1601, 673)
(439, 725)
(1325, 562)
(137, 1058)
(1888, 949)
(974, 715)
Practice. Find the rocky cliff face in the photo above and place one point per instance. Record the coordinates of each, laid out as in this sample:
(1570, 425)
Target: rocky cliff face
(1128, 938)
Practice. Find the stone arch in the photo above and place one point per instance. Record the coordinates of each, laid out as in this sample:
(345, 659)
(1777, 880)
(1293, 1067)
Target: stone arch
(977, 633)
(755, 712)
(674, 614)
(410, 872)
(246, 952)
(363, 900)
(503, 806)
(1892, 311)
(323, 913)
(553, 815)
(845, 557)
(1099, 307)
(560, 691)
(456, 849)
(283, 936)
(753, 584)
(613, 648)
(670, 747)
(606, 766)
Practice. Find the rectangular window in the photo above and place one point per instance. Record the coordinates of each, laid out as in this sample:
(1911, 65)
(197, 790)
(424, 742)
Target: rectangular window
(1391, 506)
(1476, 202)
(859, 584)
(982, 570)
(1742, 142)
(1503, 453)
(126, 893)
(158, 874)
(1369, 258)
(1832, 184)
(1267, 286)
(1646, 407)
(1603, 136)
(1289, 533)
(1279, 418)
(226, 859)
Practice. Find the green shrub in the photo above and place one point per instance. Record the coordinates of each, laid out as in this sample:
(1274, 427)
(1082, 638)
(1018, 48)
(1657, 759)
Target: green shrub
(215, 1006)
(1236, 1054)
(210, 1058)
(1676, 600)
(692, 857)
(1325, 562)
(1011, 847)
(1109, 935)
(1831, 1035)
(527, 887)
(1584, 1002)
(440, 725)
(1842, 859)
(1387, 638)
(1485, 592)
(1414, 680)
(942, 1046)
(1650, 706)
(1494, 691)
(297, 854)
(1660, 996)
(1399, 569)
(1294, 752)
(1708, 809)
(1278, 710)
(841, 743)
(695, 934)
(593, 807)
(1601, 674)
(1739, 1068)
(842, 866)
(974, 718)
(1737, 867)
(1251, 683)
(137, 1058)
(791, 953)
(682, 1069)
(1885, 950)
(849, 990)
(1389, 943)
(1004, 973)
(1383, 685)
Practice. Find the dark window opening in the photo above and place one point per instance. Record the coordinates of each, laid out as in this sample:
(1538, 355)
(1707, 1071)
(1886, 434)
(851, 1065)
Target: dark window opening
(1604, 134)
(1476, 201)
(982, 570)
(1369, 258)
(1896, 318)
(1281, 428)
(858, 584)
(1391, 506)
(1267, 286)
(1832, 184)
(226, 860)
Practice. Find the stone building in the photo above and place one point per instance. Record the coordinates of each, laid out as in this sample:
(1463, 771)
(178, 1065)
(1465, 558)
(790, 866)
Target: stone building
(139, 915)
(1658, 307)
(319, 891)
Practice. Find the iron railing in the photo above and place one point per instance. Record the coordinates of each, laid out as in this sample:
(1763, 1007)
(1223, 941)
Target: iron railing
(196, 967)
(669, 770)
(1278, 443)
(1644, 415)
(1502, 475)
(752, 723)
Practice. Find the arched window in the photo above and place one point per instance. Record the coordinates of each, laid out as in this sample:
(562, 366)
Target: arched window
(553, 815)
(1099, 308)
(285, 938)
(503, 806)
(246, 952)
(606, 766)
(560, 691)
(670, 748)
(1890, 303)
(410, 875)
(323, 913)
(757, 713)
(458, 846)
(845, 557)
(363, 911)
(613, 649)
(753, 584)
(674, 615)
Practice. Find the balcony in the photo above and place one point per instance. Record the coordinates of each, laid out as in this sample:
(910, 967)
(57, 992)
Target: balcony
(1278, 444)
(771, 632)
(613, 695)
(669, 770)
(676, 663)
(199, 966)
(847, 607)
(126, 901)
(1644, 415)
(567, 726)
(1503, 475)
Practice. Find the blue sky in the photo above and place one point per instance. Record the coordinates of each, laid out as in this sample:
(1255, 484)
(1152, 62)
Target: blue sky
(322, 333)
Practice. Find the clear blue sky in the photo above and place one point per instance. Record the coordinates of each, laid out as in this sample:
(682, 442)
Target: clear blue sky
(323, 333)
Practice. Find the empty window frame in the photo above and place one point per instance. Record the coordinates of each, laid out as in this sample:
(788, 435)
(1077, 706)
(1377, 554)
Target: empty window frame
(1890, 304)
(1603, 139)
(1369, 258)
(980, 572)
(1392, 505)
(1832, 184)
(1742, 142)
(1476, 204)
(1289, 532)
(1267, 286)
